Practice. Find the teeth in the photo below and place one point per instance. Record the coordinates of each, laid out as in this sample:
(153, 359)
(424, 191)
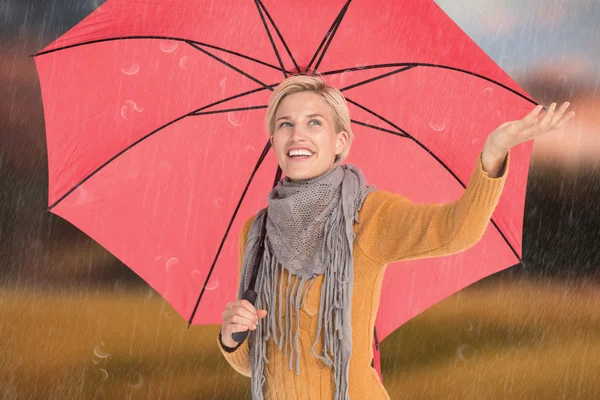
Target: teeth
(300, 152)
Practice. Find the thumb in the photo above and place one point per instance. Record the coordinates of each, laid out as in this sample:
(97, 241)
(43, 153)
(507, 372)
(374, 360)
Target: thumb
(261, 313)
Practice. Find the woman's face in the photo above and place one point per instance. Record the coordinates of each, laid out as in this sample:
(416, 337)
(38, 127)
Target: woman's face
(305, 121)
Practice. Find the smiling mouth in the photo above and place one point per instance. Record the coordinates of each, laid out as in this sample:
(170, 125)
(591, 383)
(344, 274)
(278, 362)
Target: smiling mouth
(299, 158)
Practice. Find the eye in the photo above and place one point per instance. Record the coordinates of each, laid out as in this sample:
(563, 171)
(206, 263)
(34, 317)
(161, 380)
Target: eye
(283, 123)
(314, 120)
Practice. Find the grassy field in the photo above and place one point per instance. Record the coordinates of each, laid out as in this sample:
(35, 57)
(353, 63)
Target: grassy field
(505, 340)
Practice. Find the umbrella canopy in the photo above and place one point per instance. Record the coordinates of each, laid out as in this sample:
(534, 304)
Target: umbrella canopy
(157, 148)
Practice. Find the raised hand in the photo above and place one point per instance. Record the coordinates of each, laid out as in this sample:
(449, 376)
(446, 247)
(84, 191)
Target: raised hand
(513, 133)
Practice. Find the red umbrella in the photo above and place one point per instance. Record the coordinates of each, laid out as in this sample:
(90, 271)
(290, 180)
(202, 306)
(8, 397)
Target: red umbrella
(157, 150)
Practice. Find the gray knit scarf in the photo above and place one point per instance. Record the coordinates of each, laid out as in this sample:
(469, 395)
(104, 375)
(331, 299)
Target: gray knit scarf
(309, 232)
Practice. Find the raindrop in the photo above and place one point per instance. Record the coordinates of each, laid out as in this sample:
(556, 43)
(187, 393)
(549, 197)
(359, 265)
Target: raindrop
(213, 285)
(103, 373)
(503, 356)
(168, 315)
(361, 66)
(250, 148)
(437, 127)
(470, 327)
(80, 195)
(157, 257)
(173, 262)
(128, 108)
(462, 351)
(498, 113)
(131, 69)
(218, 202)
(139, 381)
(233, 119)
(183, 62)
(168, 46)
(571, 220)
(562, 79)
(488, 91)
(101, 353)
(474, 141)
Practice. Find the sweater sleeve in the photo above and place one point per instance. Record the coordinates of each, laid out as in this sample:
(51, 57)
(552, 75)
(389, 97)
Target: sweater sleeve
(396, 229)
(239, 358)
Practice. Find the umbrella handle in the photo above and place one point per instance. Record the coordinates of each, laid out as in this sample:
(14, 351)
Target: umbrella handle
(251, 296)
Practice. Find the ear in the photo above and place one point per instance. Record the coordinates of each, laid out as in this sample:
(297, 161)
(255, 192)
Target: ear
(341, 142)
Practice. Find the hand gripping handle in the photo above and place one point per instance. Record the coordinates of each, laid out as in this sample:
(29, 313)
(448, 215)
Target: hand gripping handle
(251, 296)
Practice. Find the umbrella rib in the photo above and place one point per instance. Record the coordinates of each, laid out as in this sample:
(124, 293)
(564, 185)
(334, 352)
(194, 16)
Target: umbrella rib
(407, 135)
(262, 17)
(403, 133)
(229, 110)
(280, 36)
(342, 14)
(376, 127)
(412, 64)
(156, 37)
(270, 87)
(212, 267)
(376, 78)
(333, 26)
(247, 75)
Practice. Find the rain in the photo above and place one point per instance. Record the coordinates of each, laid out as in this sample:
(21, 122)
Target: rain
(77, 322)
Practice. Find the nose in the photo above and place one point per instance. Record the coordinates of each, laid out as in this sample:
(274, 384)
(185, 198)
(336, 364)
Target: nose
(298, 134)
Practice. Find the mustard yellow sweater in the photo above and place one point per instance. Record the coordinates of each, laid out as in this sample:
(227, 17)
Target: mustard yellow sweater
(391, 229)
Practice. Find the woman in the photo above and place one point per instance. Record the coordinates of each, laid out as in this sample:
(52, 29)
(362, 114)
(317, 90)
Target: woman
(329, 239)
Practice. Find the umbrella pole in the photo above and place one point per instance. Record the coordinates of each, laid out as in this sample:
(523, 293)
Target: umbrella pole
(251, 295)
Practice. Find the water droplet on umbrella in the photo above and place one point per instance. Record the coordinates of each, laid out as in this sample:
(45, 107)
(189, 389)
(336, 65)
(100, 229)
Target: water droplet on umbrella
(173, 262)
(218, 202)
(212, 285)
(128, 108)
(165, 166)
(196, 274)
(498, 113)
(183, 62)
(80, 195)
(223, 82)
(168, 46)
(250, 148)
(474, 141)
(131, 69)
(157, 257)
(234, 119)
(103, 373)
(438, 127)
(344, 78)
(488, 91)
(361, 66)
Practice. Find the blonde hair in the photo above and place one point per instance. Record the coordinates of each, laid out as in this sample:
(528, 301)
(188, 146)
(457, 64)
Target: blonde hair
(332, 96)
